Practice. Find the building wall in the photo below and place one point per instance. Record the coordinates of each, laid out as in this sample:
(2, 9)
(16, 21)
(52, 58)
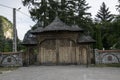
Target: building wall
(61, 35)
(10, 59)
(107, 56)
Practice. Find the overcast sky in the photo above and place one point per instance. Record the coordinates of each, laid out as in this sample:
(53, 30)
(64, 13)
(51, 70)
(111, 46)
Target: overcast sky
(24, 22)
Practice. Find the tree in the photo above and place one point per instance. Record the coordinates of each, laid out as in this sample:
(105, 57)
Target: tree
(104, 14)
(69, 11)
(104, 19)
(115, 33)
(118, 6)
(43, 11)
(6, 32)
(1, 36)
(8, 45)
(98, 36)
(116, 28)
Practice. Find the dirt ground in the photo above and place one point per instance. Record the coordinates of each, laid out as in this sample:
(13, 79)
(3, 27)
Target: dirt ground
(62, 73)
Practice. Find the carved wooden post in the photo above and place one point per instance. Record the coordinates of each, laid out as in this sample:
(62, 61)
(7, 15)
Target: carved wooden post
(57, 51)
(88, 56)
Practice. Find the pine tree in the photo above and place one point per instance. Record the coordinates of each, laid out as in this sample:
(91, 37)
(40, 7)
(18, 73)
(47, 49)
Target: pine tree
(104, 15)
(104, 18)
(69, 11)
(118, 6)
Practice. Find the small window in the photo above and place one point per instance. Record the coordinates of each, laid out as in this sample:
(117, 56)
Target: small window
(8, 59)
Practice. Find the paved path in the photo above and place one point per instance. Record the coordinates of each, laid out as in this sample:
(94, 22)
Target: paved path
(62, 73)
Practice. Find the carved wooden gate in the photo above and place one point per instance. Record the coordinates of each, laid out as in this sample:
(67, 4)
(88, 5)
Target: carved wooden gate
(60, 51)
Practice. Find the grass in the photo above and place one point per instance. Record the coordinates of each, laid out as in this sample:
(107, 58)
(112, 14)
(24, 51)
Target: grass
(2, 69)
(106, 65)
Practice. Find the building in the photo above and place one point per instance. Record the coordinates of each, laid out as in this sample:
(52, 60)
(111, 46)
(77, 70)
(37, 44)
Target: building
(58, 43)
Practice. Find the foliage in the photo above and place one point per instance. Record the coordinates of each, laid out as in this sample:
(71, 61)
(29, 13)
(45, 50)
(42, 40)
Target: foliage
(98, 37)
(69, 11)
(5, 42)
(106, 65)
(118, 6)
(20, 46)
(116, 28)
(115, 33)
(7, 45)
(105, 30)
(104, 14)
(1, 35)
(104, 20)
(8, 68)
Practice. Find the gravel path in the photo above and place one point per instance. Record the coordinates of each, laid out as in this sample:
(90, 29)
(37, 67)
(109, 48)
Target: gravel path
(62, 73)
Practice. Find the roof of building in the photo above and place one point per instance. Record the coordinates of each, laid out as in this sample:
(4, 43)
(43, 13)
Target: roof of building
(85, 39)
(29, 39)
(57, 25)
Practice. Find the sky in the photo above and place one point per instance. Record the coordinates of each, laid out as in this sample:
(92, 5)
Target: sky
(23, 21)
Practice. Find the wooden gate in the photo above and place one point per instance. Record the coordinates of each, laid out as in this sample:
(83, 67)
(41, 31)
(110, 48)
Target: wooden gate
(66, 51)
(48, 52)
(57, 52)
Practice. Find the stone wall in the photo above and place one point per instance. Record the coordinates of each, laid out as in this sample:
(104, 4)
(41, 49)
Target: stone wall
(11, 59)
(107, 56)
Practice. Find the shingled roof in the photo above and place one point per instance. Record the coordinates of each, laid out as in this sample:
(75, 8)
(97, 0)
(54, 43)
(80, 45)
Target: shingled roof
(29, 39)
(85, 39)
(57, 25)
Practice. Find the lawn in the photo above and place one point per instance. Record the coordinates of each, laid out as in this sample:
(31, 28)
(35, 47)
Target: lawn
(2, 69)
(106, 65)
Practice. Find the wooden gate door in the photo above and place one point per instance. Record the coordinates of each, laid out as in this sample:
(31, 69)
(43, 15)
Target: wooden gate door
(66, 52)
(57, 52)
(48, 52)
